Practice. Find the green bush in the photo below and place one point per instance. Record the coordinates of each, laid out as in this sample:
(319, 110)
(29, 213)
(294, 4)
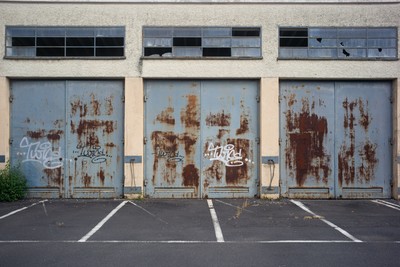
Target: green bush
(12, 183)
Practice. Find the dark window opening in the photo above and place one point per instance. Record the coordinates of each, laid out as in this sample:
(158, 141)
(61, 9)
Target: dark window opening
(110, 52)
(80, 41)
(23, 41)
(80, 52)
(293, 42)
(298, 32)
(216, 52)
(245, 32)
(152, 51)
(50, 41)
(187, 41)
(347, 54)
(49, 52)
(109, 41)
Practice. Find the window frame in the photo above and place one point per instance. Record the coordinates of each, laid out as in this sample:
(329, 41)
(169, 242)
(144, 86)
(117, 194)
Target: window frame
(339, 49)
(65, 34)
(205, 34)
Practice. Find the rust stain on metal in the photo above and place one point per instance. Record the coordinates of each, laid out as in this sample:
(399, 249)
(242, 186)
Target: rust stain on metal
(215, 171)
(86, 180)
(221, 133)
(190, 175)
(55, 135)
(190, 116)
(166, 145)
(77, 105)
(244, 125)
(87, 126)
(238, 174)
(54, 176)
(109, 105)
(304, 151)
(36, 134)
(347, 169)
(96, 111)
(166, 116)
(218, 119)
(101, 175)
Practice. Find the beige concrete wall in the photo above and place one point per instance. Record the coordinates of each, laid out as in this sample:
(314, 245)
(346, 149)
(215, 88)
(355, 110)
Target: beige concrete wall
(268, 17)
(4, 118)
(269, 111)
(134, 131)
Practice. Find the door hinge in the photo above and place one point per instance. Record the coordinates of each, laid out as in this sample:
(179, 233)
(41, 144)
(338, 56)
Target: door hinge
(145, 98)
(123, 99)
(145, 140)
(11, 99)
(279, 99)
(145, 182)
(10, 141)
(258, 140)
(391, 141)
(258, 99)
(279, 141)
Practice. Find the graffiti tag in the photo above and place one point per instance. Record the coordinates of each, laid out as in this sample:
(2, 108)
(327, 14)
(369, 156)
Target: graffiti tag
(42, 153)
(95, 153)
(169, 155)
(225, 154)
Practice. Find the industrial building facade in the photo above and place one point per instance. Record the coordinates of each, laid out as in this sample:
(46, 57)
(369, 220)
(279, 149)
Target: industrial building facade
(201, 99)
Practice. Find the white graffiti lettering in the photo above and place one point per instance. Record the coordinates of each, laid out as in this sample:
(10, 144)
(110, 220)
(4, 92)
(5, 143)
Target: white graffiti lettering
(225, 154)
(42, 153)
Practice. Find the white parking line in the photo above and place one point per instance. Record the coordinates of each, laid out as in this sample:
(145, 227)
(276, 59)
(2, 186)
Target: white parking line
(100, 224)
(21, 209)
(387, 204)
(337, 228)
(217, 227)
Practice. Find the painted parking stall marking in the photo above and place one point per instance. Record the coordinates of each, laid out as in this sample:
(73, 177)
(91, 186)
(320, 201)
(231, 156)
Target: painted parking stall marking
(24, 208)
(334, 226)
(217, 227)
(100, 224)
(387, 204)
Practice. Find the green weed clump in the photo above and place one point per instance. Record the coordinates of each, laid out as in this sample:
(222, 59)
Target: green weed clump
(12, 183)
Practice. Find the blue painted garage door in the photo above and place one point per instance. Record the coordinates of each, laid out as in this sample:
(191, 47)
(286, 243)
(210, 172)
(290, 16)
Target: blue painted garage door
(336, 139)
(68, 137)
(201, 139)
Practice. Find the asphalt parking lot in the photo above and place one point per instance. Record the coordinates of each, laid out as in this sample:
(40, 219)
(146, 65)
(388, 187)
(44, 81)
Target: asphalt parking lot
(217, 232)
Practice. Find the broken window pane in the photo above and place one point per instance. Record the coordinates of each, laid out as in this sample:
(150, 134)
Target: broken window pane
(352, 53)
(159, 51)
(382, 52)
(352, 42)
(322, 42)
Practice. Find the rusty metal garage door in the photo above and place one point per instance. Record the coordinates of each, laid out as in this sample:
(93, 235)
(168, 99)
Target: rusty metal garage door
(336, 139)
(201, 139)
(68, 137)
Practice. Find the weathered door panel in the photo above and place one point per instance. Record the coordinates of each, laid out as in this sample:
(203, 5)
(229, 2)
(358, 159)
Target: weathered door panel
(38, 135)
(229, 131)
(363, 137)
(172, 133)
(95, 138)
(307, 139)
